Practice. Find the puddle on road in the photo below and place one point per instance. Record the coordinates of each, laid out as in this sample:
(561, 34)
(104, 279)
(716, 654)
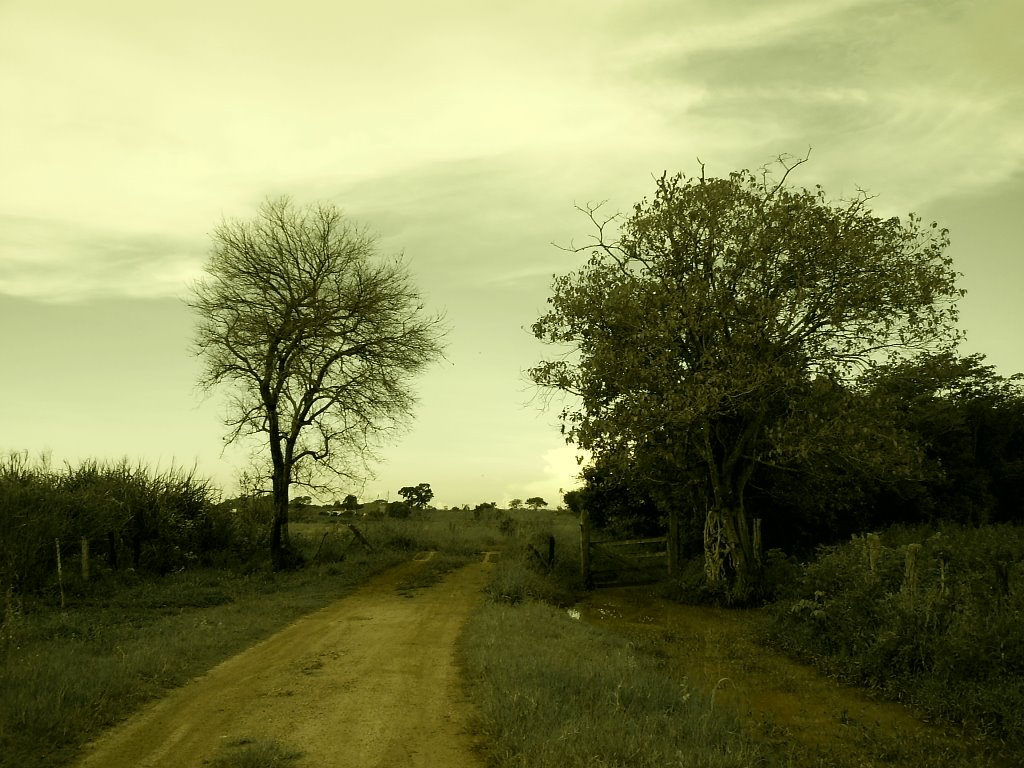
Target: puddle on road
(801, 716)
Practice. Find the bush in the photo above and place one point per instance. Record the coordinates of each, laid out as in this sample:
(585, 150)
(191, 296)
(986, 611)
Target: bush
(399, 510)
(156, 522)
(945, 635)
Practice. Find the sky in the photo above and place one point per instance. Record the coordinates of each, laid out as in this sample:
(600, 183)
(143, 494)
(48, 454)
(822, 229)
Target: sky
(465, 133)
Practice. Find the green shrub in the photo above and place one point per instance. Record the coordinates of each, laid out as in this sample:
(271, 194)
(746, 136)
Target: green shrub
(127, 515)
(953, 646)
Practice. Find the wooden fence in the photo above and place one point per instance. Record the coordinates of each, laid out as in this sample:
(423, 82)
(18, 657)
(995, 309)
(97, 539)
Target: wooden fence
(624, 561)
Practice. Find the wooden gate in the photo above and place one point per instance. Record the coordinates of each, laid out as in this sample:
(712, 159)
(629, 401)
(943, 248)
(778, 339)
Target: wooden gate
(625, 561)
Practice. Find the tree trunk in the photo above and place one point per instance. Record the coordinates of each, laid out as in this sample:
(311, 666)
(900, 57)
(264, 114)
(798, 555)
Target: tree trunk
(740, 543)
(714, 547)
(281, 554)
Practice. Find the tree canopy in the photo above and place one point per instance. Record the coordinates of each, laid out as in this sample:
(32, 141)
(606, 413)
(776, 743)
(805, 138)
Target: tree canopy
(317, 338)
(704, 338)
(417, 495)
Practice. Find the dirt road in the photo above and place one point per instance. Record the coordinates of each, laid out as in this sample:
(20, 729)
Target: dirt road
(367, 681)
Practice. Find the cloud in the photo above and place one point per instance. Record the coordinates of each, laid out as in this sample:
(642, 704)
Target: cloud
(560, 473)
(58, 261)
(920, 95)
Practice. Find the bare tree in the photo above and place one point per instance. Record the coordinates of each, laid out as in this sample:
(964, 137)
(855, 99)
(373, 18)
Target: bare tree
(317, 337)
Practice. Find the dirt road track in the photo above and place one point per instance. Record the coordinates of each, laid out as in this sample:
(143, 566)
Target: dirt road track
(367, 681)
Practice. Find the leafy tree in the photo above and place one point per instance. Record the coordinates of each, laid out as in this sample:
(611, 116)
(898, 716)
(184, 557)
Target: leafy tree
(721, 308)
(515, 504)
(318, 339)
(417, 496)
(484, 505)
(351, 503)
(970, 423)
(536, 502)
(617, 499)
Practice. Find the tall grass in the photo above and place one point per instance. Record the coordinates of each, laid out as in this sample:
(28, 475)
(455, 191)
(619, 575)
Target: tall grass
(129, 517)
(551, 691)
(946, 635)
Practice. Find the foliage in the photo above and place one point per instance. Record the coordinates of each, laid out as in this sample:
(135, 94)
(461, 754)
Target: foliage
(129, 516)
(616, 500)
(970, 423)
(515, 504)
(399, 509)
(351, 503)
(948, 640)
(417, 496)
(317, 338)
(704, 339)
(536, 502)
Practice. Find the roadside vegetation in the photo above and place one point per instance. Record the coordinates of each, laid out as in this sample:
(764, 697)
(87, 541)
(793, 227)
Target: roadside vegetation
(187, 583)
(930, 618)
(255, 753)
(550, 690)
(66, 674)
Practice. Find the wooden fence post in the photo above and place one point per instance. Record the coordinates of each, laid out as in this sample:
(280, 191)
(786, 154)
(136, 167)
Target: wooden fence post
(60, 574)
(758, 553)
(874, 545)
(85, 559)
(585, 547)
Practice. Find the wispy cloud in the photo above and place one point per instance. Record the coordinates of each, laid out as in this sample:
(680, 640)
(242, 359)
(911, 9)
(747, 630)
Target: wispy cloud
(920, 94)
(53, 260)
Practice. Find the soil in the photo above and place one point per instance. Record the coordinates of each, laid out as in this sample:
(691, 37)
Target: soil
(370, 680)
(803, 718)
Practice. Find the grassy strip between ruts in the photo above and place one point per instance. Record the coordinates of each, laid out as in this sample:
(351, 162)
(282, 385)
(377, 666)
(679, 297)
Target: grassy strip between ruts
(67, 675)
(551, 691)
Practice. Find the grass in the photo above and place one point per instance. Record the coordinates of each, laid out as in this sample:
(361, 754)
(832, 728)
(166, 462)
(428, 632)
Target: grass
(431, 572)
(552, 691)
(255, 753)
(125, 639)
(66, 675)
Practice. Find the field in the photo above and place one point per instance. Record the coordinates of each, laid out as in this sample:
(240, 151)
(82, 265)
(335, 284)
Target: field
(617, 678)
